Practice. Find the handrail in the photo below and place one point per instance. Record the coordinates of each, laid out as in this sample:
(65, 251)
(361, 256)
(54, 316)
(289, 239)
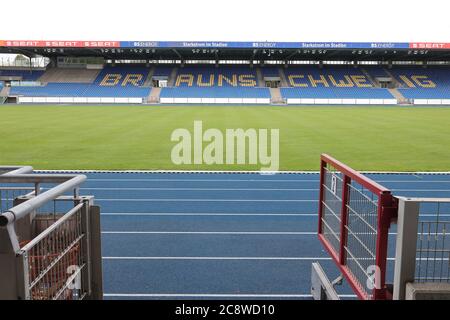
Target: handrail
(355, 175)
(21, 210)
(17, 170)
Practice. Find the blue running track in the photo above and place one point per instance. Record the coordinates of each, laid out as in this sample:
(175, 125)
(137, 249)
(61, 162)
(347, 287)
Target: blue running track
(220, 235)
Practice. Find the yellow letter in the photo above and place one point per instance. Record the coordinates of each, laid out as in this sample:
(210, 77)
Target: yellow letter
(247, 80)
(296, 84)
(205, 84)
(232, 82)
(132, 79)
(322, 80)
(185, 78)
(111, 80)
(361, 81)
(425, 83)
(407, 81)
(347, 83)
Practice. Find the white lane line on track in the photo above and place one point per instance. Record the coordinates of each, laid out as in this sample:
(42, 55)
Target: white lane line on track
(299, 233)
(203, 180)
(215, 232)
(218, 258)
(207, 214)
(199, 189)
(137, 214)
(227, 214)
(246, 258)
(241, 189)
(252, 180)
(215, 295)
(204, 200)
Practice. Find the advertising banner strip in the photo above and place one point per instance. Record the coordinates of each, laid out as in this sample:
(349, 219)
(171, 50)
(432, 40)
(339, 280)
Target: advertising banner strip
(221, 44)
(429, 45)
(264, 45)
(59, 44)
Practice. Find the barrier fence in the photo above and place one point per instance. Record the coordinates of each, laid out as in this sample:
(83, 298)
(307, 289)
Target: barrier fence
(50, 246)
(423, 243)
(355, 214)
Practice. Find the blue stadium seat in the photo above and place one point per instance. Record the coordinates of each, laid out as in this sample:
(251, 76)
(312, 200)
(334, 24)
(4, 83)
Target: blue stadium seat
(270, 71)
(212, 82)
(51, 90)
(163, 71)
(215, 92)
(25, 75)
(376, 71)
(111, 82)
(423, 83)
(312, 82)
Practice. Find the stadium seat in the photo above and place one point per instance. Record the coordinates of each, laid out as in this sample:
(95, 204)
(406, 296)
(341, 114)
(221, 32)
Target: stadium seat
(312, 82)
(270, 72)
(111, 82)
(25, 75)
(212, 82)
(423, 83)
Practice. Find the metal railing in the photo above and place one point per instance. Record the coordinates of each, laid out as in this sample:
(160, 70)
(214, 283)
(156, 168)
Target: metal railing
(49, 240)
(355, 214)
(423, 243)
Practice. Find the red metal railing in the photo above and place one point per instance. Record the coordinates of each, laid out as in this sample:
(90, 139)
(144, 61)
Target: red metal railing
(355, 214)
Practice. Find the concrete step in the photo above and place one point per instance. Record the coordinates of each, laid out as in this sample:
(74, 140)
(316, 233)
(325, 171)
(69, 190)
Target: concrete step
(370, 78)
(398, 95)
(148, 81)
(5, 92)
(154, 95)
(60, 75)
(173, 77)
(259, 77)
(276, 97)
(394, 80)
(284, 82)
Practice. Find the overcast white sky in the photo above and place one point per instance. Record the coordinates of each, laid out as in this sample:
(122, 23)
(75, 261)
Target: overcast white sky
(230, 20)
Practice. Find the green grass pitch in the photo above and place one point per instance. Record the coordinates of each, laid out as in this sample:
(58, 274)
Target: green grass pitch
(138, 137)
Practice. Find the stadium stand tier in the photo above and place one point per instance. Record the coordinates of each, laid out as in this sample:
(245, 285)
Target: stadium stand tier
(212, 82)
(331, 83)
(72, 75)
(423, 83)
(110, 82)
(237, 82)
(23, 75)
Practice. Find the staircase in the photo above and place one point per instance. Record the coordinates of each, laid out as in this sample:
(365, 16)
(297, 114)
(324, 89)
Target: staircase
(398, 95)
(63, 75)
(260, 78)
(370, 78)
(154, 95)
(284, 82)
(276, 97)
(173, 77)
(5, 92)
(148, 81)
(394, 80)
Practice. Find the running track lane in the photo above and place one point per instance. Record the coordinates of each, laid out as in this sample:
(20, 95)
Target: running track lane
(220, 235)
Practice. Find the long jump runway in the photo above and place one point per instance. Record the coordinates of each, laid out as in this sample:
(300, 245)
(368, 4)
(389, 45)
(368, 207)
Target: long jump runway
(219, 235)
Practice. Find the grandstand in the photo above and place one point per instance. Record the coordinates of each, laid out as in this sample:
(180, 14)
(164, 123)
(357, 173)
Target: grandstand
(237, 73)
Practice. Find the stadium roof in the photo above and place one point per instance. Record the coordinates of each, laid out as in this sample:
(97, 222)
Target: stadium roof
(217, 50)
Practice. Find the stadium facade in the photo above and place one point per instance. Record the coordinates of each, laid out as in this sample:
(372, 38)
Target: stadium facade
(286, 73)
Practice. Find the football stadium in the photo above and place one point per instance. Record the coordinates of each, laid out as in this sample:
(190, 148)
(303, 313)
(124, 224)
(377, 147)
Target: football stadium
(221, 170)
